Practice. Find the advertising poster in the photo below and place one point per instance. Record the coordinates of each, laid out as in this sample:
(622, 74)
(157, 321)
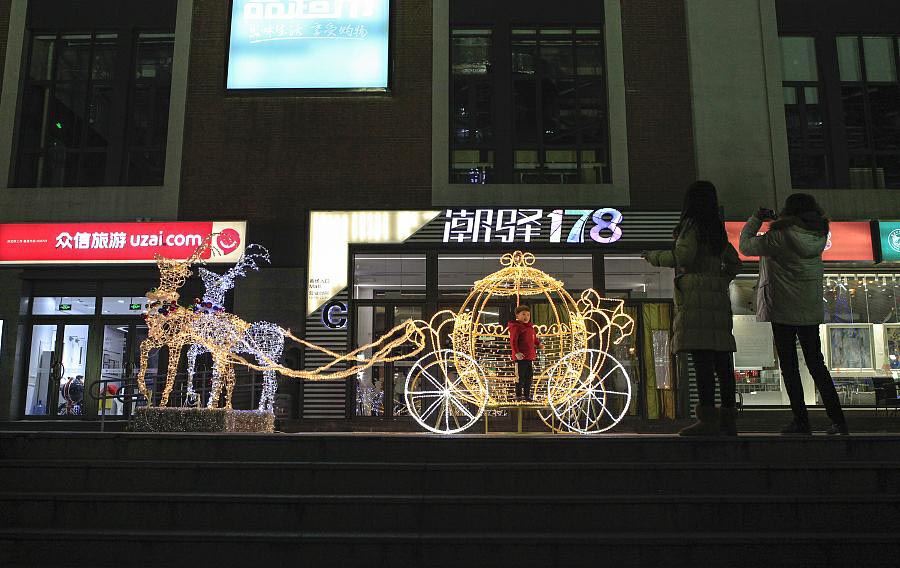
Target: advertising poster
(113, 243)
(309, 44)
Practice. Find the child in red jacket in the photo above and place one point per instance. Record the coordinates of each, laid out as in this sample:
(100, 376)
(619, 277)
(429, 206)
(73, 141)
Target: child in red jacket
(524, 342)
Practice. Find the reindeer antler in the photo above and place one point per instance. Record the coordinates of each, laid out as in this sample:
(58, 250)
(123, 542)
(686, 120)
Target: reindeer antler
(204, 246)
(248, 260)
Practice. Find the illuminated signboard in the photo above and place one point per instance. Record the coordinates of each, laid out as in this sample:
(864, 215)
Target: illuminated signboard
(847, 241)
(889, 235)
(331, 233)
(309, 44)
(334, 315)
(113, 243)
(531, 225)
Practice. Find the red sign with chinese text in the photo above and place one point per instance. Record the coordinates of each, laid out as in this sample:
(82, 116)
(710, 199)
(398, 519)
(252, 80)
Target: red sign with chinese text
(848, 241)
(112, 243)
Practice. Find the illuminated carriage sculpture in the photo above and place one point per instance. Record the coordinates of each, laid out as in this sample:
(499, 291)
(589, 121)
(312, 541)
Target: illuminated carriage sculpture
(578, 386)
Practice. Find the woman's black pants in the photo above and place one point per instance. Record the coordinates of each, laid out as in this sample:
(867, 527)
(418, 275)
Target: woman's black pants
(786, 337)
(708, 364)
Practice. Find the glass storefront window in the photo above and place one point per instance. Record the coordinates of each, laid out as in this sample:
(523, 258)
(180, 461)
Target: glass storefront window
(384, 276)
(64, 306)
(631, 276)
(457, 272)
(860, 340)
(124, 305)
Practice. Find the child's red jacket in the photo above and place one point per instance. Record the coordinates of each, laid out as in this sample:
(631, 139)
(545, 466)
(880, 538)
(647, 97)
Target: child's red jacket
(523, 339)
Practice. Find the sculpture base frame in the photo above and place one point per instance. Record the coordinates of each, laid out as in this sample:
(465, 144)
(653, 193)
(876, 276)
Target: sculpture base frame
(166, 419)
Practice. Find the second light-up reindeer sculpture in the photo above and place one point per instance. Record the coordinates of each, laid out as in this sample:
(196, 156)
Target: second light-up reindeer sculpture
(264, 341)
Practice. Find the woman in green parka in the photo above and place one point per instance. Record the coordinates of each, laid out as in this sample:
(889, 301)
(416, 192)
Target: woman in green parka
(705, 263)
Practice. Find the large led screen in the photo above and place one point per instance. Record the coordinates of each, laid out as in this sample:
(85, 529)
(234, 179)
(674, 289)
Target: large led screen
(309, 44)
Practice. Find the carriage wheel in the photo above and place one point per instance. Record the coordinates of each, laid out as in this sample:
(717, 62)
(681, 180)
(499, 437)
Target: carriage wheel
(589, 391)
(551, 421)
(446, 392)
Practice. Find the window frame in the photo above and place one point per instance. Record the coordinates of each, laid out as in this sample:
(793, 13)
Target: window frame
(446, 194)
(123, 86)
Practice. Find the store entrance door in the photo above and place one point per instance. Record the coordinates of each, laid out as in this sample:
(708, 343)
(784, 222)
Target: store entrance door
(380, 389)
(119, 364)
(646, 356)
(57, 369)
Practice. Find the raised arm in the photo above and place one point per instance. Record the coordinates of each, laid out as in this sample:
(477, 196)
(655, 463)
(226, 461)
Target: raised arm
(683, 254)
(753, 244)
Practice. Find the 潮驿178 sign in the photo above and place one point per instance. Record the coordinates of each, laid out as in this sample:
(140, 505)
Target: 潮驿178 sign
(114, 243)
(577, 226)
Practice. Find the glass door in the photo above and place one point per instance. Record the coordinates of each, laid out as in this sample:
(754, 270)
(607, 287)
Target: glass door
(380, 388)
(119, 364)
(43, 369)
(57, 369)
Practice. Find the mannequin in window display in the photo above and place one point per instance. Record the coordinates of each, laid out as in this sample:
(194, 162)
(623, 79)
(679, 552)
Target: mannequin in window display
(790, 297)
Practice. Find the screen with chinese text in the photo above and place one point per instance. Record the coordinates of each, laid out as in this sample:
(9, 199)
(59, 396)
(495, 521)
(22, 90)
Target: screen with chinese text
(309, 44)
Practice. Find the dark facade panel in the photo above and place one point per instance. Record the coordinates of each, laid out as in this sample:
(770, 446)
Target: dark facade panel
(273, 156)
(658, 102)
(858, 16)
(88, 14)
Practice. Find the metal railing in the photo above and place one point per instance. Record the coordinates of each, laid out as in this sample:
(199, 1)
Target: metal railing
(247, 390)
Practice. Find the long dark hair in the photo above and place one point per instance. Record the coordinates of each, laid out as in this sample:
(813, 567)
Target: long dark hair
(701, 212)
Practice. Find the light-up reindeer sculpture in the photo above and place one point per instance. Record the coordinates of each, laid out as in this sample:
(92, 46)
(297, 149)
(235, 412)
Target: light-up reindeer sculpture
(226, 337)
(173, 326)
(263, 340)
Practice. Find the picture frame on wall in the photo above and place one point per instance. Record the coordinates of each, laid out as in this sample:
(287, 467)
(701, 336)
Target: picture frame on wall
(892, 346)
(850, 346)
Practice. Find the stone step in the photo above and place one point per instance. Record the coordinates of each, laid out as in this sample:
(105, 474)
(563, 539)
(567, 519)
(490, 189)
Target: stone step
(434, 449)
(447, 513)
(734, 549)
(325, 478)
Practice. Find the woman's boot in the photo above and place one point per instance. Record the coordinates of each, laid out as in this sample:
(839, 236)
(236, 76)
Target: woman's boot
(707, 422)
(728, 421)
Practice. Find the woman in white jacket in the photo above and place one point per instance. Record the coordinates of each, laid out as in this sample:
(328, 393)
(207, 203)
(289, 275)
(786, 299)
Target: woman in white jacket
(790, 297)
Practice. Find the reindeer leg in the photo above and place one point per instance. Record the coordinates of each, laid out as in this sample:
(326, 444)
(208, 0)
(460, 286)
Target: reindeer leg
(174, 357)
(216, 389)
(194, 351)
(142, 372)
(229, 384)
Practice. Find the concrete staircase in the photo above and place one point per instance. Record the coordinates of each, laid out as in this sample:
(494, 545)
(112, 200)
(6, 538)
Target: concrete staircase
(89, 499)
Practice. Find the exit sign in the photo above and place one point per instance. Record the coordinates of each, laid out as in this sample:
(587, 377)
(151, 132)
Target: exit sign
(135, 307)
(65, 307)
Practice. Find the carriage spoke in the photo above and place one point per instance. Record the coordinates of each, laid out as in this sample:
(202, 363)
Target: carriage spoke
(431, 409)
(420, 394)
(431, 378)
(462, 407)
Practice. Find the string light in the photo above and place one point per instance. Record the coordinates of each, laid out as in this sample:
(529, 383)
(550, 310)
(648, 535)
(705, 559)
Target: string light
(225, 336)
(448, 390)
(263, 340)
